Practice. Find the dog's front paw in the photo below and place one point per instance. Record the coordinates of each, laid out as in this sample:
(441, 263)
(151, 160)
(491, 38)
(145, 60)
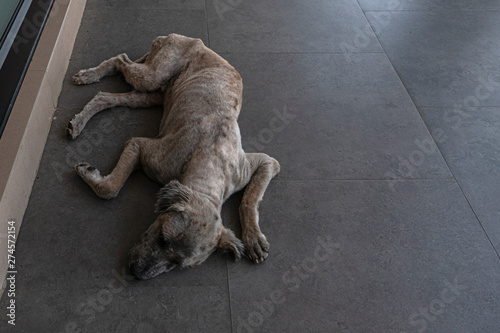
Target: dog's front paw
(96, 181)
(85, 76)
(256, 247)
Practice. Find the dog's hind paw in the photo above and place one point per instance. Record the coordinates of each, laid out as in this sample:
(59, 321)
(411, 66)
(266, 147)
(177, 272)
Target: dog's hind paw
(256, 247)
(229, 243)
(85, 76)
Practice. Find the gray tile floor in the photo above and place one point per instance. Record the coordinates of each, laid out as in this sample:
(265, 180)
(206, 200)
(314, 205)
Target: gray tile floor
(385, 217)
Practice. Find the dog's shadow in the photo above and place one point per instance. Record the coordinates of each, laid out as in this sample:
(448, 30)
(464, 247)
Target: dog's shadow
(230, 213)
(137, 220)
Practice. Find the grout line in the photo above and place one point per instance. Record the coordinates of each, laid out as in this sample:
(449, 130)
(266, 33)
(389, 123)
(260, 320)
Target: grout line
(290, 52)
(454, 106)
(227, 269)
(206, 20)
(409, 95)
(229, 297)
(98, 287)
(436, 9)
(478, 220)
(366, 179)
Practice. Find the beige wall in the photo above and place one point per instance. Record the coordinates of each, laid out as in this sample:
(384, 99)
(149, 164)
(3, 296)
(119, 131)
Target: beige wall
(23, 140)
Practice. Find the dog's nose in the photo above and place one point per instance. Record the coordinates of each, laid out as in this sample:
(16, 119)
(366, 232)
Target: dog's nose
(136, 270)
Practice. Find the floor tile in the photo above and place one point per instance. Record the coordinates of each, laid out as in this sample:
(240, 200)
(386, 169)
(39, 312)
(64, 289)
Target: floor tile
(469, 139)
(444, 58)
(355, 256)
(136, 29)
(287, 26)
(470, 146)
(122, 306)
(325, 118)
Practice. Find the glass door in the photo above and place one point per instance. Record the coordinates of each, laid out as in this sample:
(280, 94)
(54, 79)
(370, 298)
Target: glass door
(8, 9)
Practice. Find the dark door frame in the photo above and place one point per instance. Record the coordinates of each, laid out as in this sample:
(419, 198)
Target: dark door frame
(19, 56)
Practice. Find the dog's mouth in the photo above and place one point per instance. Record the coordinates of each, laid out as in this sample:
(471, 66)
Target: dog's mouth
(147, 272)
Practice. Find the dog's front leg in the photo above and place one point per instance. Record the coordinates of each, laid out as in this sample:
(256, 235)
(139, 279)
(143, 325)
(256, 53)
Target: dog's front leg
(107, 187)
(262, 169)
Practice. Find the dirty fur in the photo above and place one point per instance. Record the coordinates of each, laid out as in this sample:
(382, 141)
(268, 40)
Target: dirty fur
(197, 154)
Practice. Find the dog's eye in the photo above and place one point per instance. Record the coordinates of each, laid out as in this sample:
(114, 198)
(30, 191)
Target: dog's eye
(164, 243)
(176, 262)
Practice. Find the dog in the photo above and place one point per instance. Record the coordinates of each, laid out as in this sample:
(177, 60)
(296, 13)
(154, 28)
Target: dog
(197, 155)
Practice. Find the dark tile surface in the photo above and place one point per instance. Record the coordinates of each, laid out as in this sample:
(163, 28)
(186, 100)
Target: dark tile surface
(356, 256)
(323, 117)
(124, 306)
(470, 145)
(286, 26)
(404, 196)
(131, 30)
(445, 58)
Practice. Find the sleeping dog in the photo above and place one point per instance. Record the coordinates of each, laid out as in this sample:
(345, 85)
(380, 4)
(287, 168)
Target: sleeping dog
(197, 154)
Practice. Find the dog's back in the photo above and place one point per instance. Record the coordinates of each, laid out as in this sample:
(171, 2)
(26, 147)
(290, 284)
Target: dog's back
(205, 88)
(199, 129)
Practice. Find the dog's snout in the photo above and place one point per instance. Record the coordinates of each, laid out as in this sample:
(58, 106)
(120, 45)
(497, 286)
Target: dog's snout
(134, 264)
(136, 270)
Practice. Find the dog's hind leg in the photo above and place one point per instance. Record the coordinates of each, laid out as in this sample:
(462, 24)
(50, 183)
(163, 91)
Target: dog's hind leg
(103, 101)
(137, 73)
(107, 67)
(108, 187)
(262, 169)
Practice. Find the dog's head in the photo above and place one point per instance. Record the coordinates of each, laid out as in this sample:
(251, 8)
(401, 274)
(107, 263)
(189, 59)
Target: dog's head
(187, 231)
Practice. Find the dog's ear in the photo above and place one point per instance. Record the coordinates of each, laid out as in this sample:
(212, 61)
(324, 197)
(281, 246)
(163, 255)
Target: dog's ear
(172, 193)
(230, 243)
